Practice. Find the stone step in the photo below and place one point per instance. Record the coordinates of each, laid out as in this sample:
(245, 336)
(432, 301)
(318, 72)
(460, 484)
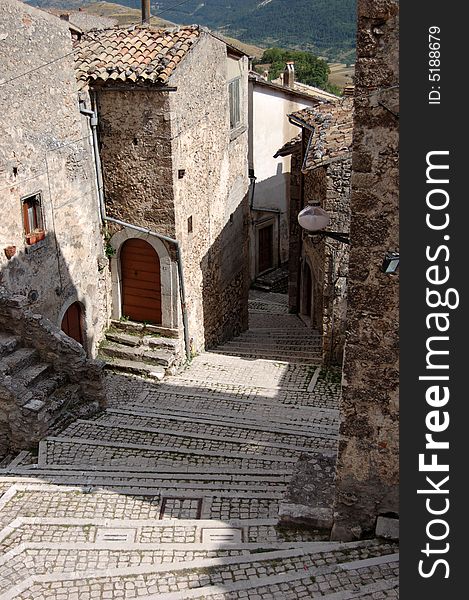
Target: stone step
(283, 574)
(234, 411)
(17, 360)
(145, 484)
(140, 354)
(8, 343)
(313, 359)
(125, 339)
(57, 402)
(224, 442)
(289, 334)
(271, 348)
(144, 329)
(240, 413)
(134, 340)
(189, 423)
(136, 368)
(71, 450)
(31, 375)
(53, 381)
(192, 420)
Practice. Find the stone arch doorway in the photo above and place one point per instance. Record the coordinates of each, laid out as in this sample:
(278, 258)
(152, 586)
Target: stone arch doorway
(73, 322)
(141, 281)
(306, 291)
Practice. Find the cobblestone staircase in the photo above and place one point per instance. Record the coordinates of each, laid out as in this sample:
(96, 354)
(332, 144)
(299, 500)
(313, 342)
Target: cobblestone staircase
(274, 334)
(174, 491)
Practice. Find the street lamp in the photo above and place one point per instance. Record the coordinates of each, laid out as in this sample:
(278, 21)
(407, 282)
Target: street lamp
(315, 219)
(390, 263)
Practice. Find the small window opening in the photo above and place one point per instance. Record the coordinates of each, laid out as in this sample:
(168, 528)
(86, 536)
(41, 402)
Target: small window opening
(181, 173)
(235, 102)
(135, 141)
(189, 224)
(15, 171)
(32, 218)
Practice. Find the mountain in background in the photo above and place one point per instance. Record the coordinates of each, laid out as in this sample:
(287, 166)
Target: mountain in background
(323, 27)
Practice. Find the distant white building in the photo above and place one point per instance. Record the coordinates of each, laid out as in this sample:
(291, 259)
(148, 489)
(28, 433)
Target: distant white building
(269, 129)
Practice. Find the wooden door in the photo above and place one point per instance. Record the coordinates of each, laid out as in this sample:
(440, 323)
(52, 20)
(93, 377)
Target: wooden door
(266, 237)
(307, 291)
(72, 322)
(141, 282)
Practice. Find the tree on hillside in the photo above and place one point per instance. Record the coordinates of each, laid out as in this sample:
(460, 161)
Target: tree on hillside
(309, 69)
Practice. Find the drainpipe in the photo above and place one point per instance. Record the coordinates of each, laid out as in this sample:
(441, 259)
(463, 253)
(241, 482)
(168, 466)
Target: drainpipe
(97, 159)
(102, 207)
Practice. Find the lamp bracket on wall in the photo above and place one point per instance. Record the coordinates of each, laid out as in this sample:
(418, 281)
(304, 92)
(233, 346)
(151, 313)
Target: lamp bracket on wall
(344, 238)
(314, 220)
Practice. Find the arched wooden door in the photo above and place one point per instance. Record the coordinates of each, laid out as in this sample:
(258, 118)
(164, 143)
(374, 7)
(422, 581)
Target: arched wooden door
(307, 291)
(141, 282)
(72, 322)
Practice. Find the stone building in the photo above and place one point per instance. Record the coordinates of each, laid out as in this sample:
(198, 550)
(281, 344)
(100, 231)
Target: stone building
(53, 269)
(368, 463)
(321, 169)
(172, 108)
(269, 129)
(52, 249)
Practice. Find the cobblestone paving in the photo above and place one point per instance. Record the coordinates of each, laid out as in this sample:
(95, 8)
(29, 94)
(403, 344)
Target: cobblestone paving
(173, 492)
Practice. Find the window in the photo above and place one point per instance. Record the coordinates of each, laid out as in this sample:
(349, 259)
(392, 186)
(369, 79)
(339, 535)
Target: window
(189, 225)
(235, 102)
(32, 218)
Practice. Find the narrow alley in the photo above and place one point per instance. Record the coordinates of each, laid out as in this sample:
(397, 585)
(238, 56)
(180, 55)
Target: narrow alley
(174, 491)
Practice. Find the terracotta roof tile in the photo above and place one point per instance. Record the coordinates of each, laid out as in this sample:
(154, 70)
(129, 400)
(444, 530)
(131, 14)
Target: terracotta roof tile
(290, 147)
(332, 131)
(138, 54)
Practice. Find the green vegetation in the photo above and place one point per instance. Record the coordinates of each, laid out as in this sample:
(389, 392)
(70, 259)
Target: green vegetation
(309, 68)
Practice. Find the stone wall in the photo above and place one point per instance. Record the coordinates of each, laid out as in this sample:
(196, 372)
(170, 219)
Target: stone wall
(136, 155)
(327, 259)
(26, 413)
(367, 472)
(45, 148)
(295, 233)
(210, 175)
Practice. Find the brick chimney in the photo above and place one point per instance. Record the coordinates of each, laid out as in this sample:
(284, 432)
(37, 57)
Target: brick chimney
(146, 12)
(289, 74)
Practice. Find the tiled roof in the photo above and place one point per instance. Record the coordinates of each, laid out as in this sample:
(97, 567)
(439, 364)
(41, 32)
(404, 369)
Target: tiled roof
(333, 129)
(301, 90)
(289, 147)
(137, 54)
(309, 90)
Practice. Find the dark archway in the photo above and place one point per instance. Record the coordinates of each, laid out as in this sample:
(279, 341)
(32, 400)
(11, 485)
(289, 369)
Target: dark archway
(73, 322)
(141, 281)
(307, 291)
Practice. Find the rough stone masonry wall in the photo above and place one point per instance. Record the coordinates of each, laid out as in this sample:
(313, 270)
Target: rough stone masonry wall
(45, 148)
(328, 259)
(135, 140)
(367, 471)
(27, 413)
(337, 205)
(295, 232)
(212, 190)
